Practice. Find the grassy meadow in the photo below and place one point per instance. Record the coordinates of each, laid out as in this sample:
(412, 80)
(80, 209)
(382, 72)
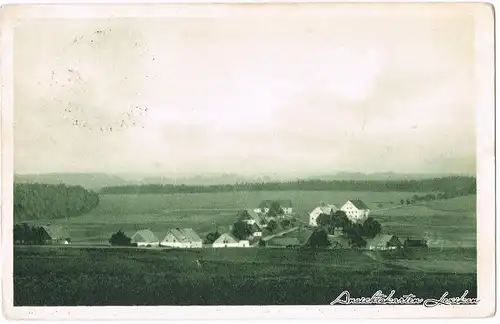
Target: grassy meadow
(70, 276)
(444, 223)
(201, 211)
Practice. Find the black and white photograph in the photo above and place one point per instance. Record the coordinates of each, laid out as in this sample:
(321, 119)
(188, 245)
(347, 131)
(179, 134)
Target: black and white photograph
(267, 154)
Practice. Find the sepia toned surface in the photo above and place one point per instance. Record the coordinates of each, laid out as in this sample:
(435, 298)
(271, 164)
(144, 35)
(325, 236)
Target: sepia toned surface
(187, 121)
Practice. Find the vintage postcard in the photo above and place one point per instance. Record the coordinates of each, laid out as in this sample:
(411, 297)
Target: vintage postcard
(248, 161)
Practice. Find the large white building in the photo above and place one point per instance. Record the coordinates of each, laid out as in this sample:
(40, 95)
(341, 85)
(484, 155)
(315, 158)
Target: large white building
(356, 210)
(322, 209)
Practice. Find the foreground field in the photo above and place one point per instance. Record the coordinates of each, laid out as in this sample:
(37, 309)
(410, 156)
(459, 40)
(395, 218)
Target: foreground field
(72, 276)
(201, 211)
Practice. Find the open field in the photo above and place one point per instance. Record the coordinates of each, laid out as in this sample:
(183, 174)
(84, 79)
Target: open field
(197, 210)
(72, 276)
(444, 223)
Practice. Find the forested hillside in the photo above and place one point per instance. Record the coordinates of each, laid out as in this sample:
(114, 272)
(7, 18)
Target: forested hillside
(448, 186)
(46, 201)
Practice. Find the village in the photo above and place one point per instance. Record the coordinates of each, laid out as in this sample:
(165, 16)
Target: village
(273, 224)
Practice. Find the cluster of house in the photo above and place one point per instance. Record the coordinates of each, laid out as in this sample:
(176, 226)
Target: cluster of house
(356, 210)
(185, 238)
(265, 205)
(258, 218)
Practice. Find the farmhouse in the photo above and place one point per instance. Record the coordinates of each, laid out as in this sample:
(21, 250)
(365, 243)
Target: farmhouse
(414, 242)
(321, 209)
(356, 210)
(145, 238)
(227, 240)
(383, 242)
(53, 234)
(285, 204)
(182, 238)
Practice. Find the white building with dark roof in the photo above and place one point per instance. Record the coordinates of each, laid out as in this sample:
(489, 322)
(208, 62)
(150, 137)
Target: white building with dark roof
(356, 210)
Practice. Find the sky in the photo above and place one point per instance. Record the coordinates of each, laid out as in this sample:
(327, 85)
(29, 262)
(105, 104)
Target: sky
(249, 93)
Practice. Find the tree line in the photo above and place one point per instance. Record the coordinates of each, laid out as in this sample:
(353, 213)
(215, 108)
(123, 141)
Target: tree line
(449, 186)
(45, 201)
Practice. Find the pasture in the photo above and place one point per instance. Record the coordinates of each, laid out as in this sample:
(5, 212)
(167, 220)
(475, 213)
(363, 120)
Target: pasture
(49, 276)
(443, 223)
(201, 211)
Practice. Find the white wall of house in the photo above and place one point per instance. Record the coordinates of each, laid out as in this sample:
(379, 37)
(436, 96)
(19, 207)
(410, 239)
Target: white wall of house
(313, 216)
(240, 244)
(354, 214)
(171, 241)
(250, 221)
(382, 248)
(181, 245)
(197, 245)
(261, 210)
(145, 244)
(257, 234)
(287, 210)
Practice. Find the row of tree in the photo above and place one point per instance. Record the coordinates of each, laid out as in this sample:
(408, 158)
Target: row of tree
(44, 201)
(450, 186)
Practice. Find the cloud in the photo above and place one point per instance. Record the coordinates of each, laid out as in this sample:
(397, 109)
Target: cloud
(229, 95)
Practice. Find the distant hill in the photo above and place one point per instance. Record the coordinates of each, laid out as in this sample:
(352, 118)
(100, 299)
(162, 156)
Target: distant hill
(87, 180)
(359, 176)
(97, 181)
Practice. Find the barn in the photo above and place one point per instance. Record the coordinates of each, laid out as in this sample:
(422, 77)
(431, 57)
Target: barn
(145, 238)
(182, 238)
(227, 240)
(384, 242)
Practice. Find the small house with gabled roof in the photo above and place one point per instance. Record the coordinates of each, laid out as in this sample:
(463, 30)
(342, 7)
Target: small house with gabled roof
(182, 238)
(384, 242)
(356, 210)
(226, 240)
(145, 238)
